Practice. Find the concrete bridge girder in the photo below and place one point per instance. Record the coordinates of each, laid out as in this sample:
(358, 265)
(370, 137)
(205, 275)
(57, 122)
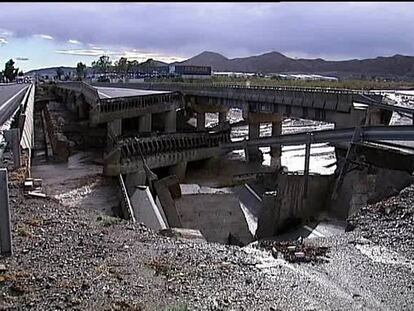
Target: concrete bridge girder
(97, 117)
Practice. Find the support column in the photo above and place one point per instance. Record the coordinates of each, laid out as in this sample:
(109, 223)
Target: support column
(253, 153)
(114, 130)
(222, 117)
(5, 232)
(276, 151)
(269, 216)
(145, 123)
(171, 121)
(201, 121)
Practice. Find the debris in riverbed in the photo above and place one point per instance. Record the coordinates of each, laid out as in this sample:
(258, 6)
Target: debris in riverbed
(295, 251)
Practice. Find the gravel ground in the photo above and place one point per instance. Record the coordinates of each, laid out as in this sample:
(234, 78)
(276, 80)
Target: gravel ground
(390, 222)
(73, 258)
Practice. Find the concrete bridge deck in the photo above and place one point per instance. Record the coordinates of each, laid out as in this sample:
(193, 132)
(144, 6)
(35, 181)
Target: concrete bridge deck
(319, 104)
(114, 92)
(166, 150)
(162, 151)
(107, 104)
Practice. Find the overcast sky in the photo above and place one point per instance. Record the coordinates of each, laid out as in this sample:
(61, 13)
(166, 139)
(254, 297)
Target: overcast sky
(49, 34)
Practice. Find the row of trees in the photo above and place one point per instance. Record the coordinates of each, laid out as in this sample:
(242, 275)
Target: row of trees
(10, 72)
(104, 65)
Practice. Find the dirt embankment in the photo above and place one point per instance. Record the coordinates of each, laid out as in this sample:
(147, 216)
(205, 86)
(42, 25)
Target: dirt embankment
(76, 258)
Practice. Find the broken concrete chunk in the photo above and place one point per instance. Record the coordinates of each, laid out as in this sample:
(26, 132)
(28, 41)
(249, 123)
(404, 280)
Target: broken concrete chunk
(183, 233)
(37, 194)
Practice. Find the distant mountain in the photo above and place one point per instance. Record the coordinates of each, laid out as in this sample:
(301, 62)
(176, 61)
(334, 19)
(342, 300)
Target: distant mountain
(388, 67)
(274, 62)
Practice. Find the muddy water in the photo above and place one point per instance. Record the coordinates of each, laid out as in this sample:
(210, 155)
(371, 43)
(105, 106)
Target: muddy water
(78, 182)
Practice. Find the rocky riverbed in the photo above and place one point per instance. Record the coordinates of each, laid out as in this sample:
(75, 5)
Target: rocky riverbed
(76, 258)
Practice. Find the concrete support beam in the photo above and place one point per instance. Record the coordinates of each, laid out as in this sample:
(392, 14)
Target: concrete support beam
(306, 169)
(276, 151)
(146, 211)
(114, 130)
(168, 189)
(171, 121)
(201, 121)
(145, 123)
(268, 220)
(5, 232)
(253, 153)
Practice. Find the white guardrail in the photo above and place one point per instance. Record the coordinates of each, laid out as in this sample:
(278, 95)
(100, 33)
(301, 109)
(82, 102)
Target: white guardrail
(27, 135)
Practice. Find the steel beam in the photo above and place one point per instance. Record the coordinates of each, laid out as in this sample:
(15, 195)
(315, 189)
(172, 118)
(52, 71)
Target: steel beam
(370, 133)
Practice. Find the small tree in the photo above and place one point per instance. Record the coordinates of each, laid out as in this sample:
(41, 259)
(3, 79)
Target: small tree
(21, 74)
(9, 71)
(102, 64)
(80, 70)
(121, 66)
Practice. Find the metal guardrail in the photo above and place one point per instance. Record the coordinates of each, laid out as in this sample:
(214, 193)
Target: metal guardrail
(27, 135)
(183, 85)
(372, 133)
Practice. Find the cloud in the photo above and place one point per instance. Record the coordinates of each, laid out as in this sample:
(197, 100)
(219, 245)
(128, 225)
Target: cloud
(3, 41)
(85, 52)
(22, 58)
(43, 36)
(131, 54)
(71, 41)
(345, 29)
(5, 33)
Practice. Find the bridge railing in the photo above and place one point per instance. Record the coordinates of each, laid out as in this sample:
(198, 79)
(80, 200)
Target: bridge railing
(135, 102)
(132, 147)
(203, 85)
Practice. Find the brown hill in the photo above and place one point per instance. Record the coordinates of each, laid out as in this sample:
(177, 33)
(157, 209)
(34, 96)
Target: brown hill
(274, 62)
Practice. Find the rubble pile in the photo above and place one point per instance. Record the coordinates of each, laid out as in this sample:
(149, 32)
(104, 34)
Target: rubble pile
(390, 222)
(295, 251)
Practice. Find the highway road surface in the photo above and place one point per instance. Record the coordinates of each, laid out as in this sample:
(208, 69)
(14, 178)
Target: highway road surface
(10, 98)
(113, 92)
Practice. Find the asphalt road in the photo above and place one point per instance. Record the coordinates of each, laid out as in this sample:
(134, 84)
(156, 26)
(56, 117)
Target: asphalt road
(113, 92)
(10, 98)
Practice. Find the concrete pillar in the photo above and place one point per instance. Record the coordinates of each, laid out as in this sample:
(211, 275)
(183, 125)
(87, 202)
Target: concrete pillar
(82, 108)
(268, 220)
(145, 123)
(276, 151)
(254, 154)
(222, 117)
(179, 170)
(5, 232)
(201, 121)
(171, 121)
(114, 130)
